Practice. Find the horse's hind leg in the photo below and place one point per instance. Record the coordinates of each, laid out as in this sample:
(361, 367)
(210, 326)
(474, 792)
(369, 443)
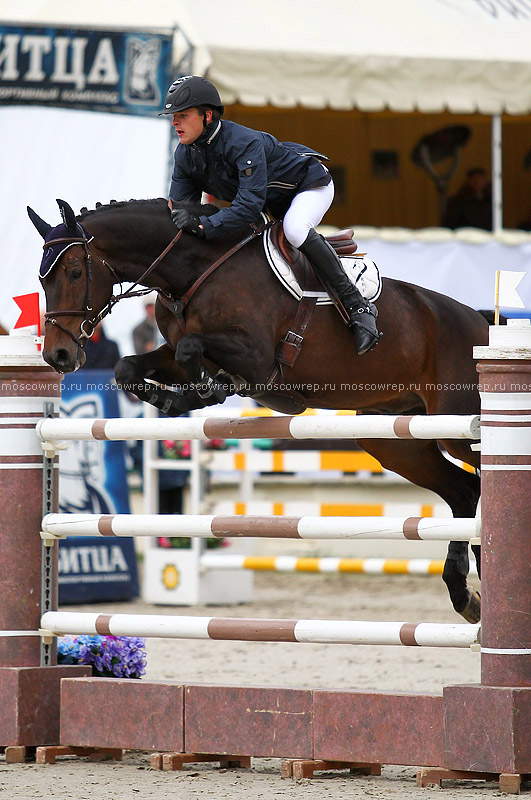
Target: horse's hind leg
(422, 463)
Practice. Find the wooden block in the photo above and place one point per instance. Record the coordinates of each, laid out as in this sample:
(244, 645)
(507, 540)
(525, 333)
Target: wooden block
(156, 760)
(306, 768)
(15, 755)
(510, 784)
(175, 761)
(434, 776)
(48, 754)
(286, 768)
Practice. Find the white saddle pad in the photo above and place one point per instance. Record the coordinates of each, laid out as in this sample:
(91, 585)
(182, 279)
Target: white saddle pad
(360, 270)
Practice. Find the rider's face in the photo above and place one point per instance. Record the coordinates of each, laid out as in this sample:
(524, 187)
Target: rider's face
(189, 124)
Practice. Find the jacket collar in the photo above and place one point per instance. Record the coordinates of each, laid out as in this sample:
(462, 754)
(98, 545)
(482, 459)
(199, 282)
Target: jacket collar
(210, 133)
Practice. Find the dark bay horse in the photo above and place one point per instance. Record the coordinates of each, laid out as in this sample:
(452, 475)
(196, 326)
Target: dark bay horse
(224, 339)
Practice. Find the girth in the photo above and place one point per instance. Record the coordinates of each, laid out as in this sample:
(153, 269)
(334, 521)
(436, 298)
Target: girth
(291, 344)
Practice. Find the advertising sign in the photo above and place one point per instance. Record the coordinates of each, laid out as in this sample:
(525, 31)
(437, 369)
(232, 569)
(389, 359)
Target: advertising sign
(93, 480)
(123, 71)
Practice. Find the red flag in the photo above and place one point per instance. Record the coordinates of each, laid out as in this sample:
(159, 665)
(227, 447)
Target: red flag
(29, 307)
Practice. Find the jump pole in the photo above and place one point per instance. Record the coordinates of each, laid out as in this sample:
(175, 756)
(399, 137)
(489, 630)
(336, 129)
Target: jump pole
(29, 690)
(350, 427)
(326, 564)
(241, 629)
(245, 527)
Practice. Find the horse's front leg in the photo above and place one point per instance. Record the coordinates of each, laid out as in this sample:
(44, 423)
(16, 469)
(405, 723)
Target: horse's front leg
(189, 355)
(165, 387)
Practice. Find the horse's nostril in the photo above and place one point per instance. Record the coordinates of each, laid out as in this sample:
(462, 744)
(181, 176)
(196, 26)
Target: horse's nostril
(62, 357)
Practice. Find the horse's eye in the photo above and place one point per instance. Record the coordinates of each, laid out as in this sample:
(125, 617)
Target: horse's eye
(75, 274)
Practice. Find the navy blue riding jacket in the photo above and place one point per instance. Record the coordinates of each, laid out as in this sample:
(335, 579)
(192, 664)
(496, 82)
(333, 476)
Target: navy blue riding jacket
(248, 168)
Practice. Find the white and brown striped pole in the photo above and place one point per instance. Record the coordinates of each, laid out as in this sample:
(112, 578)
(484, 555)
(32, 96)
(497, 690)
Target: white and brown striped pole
(375, 426)
(26, 383)
(324, 631)
(505, 385)
(239, 527)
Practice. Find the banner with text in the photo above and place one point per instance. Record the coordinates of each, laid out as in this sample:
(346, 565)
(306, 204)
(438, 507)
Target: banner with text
(123, 71)
(93, 480)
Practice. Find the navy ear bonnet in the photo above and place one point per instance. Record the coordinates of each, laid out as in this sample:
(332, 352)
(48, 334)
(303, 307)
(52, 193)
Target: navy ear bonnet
(53, 253)
(68, 229)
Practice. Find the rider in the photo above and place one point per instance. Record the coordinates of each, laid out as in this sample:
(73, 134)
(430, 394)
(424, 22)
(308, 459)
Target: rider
(253, 171)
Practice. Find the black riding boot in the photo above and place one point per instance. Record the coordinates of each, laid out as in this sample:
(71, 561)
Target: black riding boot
(361, 313)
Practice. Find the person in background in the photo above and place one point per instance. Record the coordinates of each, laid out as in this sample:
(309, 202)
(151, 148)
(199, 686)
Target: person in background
(101, 352)
(146, 333)
(471, 207)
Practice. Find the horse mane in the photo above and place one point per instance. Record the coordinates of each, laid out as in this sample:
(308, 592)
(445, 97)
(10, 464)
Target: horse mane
(157, 203)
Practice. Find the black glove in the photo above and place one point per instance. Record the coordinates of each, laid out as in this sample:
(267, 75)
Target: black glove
(186, 221)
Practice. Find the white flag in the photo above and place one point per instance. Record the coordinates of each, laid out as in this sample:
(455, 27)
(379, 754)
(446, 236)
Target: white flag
(508, 297)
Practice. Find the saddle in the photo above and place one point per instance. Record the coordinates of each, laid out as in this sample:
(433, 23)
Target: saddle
(309, 289)
(342, 242)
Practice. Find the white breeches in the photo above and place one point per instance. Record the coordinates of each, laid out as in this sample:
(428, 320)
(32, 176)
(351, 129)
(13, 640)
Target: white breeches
(306, 211)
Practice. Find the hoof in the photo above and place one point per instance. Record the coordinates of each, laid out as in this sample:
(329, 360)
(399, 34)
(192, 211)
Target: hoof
(472, 611)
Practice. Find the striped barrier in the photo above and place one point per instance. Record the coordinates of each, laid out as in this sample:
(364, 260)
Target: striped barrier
(358, 566)
(291, 461)
(282, 461)
(221, 527)
(349, 427)
(311, 508)
(314, 631)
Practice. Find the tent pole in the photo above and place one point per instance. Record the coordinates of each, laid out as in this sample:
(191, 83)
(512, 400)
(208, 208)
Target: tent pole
(497, 198)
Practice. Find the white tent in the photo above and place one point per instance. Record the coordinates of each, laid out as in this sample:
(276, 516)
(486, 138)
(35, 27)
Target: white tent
(428, 55)
(460, 55)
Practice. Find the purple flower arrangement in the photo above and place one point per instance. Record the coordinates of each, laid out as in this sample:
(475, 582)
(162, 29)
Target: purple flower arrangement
(109, 656)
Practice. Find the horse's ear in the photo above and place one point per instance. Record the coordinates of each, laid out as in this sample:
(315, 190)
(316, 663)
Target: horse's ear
(39, 223)
(69, 218)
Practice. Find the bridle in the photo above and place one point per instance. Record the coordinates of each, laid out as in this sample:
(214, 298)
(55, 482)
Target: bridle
(90, 321)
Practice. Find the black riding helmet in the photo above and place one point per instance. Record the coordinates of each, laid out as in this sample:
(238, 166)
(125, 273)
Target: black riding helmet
(189, 92)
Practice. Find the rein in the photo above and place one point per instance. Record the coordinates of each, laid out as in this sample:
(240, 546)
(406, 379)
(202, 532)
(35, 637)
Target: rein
(178, 307)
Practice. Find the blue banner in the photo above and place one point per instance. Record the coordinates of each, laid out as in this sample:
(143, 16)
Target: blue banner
(93, 480)
(123, 71)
